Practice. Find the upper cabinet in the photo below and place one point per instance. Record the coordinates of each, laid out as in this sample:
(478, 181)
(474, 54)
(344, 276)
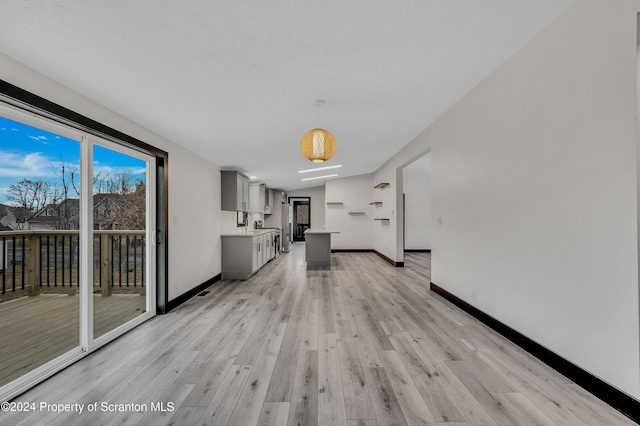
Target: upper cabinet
(260, 198)
(235, 191)
(257, 197)
(268, 203)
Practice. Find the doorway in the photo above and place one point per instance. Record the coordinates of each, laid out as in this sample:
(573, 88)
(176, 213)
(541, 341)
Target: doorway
(301, 217)
(416, 205)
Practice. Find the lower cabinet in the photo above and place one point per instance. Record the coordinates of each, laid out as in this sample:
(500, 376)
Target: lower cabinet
(244, 254)
(258, 253)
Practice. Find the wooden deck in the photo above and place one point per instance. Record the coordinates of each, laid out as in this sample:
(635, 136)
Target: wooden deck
(35, 330)
(361, 344)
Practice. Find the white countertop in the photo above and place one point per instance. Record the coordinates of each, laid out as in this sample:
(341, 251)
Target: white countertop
(320, 231)
(250, 232)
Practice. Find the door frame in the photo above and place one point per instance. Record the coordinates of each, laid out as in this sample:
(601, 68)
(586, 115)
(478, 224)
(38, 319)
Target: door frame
(43, 110)
(38, 106)
(292, 201)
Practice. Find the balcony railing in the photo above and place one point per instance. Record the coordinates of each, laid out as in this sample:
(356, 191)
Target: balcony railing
(34, 262)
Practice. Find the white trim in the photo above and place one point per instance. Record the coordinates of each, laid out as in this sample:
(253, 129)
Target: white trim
(37, 375)
(40, 122)
(86, 244)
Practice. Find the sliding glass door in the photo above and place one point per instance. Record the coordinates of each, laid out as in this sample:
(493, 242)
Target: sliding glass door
(123, 224)
(77, 245)
(39, 222)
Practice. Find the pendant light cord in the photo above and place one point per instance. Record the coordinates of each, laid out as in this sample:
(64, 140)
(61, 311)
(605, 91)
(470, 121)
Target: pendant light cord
(319, 103)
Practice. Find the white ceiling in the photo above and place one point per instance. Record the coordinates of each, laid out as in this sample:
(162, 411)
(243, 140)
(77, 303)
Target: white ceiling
(235, 81)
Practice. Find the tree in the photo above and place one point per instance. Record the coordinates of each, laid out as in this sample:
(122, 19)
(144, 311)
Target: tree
(131, 211)
(33, 195)
(122, 183)
(67, 211)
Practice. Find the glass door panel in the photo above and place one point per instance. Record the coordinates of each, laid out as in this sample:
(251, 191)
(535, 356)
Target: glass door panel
(39, 244)
(122, 253)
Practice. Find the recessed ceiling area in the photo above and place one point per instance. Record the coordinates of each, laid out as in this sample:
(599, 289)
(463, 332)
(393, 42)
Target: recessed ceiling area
(235, 82)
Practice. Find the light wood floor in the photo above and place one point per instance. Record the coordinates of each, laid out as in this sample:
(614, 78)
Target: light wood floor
(362, 344)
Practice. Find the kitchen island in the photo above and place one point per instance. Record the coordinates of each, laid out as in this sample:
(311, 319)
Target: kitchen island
(318, 247)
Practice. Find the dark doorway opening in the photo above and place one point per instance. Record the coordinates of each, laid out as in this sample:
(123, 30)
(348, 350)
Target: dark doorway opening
(301, 217)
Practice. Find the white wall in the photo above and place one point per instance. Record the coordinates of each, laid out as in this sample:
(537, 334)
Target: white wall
(534, 176)
(417, 205)
(355, 194)
(387, 237)
(317, 203)
(194, 183)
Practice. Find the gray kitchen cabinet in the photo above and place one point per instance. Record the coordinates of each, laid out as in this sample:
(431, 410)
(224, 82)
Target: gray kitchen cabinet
(268, 202)
(235, 191)
(244, 253)
(257, 193)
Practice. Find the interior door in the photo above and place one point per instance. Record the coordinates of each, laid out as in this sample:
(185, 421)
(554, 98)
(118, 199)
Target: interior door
(301, 219)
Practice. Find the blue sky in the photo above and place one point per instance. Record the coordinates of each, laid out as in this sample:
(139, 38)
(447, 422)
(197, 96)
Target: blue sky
(29, 152)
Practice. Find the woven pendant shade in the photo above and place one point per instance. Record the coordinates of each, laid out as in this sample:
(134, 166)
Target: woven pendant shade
(318, 145)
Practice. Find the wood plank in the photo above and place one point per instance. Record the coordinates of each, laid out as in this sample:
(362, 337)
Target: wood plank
(186, 416)
(413, 406)
(426, 378)
(310, 329)
(385, 403)
(488, 399)
(221, 407)
(362, 422)
(281, 385)
(304, 404)
(529, 413)
(274, 414)
(152, 391)
(364, 345)
(249, 406)
(211, 379)
(253, 345)
(331, 409)
(356, 394)
(163, 414)
(325, 307)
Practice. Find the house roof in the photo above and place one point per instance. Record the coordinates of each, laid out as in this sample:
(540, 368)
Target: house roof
(74, 205)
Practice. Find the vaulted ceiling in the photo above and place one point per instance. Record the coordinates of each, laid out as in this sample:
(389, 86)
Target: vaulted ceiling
(235, 81)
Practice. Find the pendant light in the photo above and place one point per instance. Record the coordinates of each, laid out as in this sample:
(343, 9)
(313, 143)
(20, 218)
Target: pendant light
(318, 145)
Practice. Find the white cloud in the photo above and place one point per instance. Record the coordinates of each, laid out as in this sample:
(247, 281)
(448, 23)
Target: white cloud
(107, 170)
(3, 196)
(32, 165)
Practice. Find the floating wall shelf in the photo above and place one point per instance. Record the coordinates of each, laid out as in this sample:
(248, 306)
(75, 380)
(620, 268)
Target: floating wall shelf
(382, 185)
(356, 213)
(376, 203)
(335, 203)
